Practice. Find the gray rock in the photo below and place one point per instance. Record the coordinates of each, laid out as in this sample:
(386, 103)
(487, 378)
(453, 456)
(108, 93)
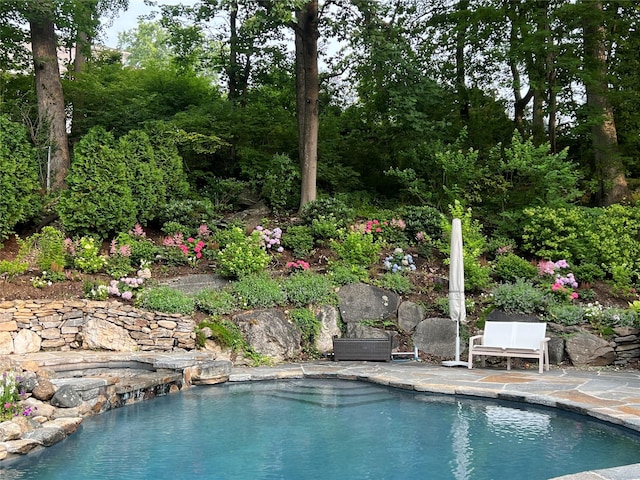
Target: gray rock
(364, 302)
(28, 381)
(329, 318)
(46, 436)
(101, 334)
(556, 350)
(269, 333)
(409, 316)
(358, 330)
(210, 373)
(66, 397)
(585, 349)
(437, 336)
(9, 431)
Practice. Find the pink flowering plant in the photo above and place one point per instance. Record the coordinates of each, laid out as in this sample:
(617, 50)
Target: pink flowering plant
(270, 239)
(564, 282)
(125, 288)
(192, 248)
(297, 266)
(10, 397)
(389, 232)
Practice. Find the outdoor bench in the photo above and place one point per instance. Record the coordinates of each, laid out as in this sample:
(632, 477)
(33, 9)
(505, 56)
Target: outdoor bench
(375, 349)
(511, 339)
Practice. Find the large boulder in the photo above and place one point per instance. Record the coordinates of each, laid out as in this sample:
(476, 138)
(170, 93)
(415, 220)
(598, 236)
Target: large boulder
(328, 317)
(409, 316)
(27, 341)
(437, 336)
(103, 335)
(269, 333)
(586, 349)
(365, 302)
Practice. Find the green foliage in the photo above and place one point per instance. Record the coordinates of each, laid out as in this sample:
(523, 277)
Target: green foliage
(588, 273)
(509, 267)
(243, 256)
(474, 243)
(222, 192)
(605, 237)
(258, 291)
(118, 266)
(12, 268)
(357, 249)
(299, 239)
(190, 213)
(535, 176)
(165, 299)
(280, 185)
(86, 255)
(145, 179)
(95, 290)
(164, 138)
(422, 219)
(306, 288)
(324, 229)
(477, 277)
(396, 282)
(343, 273)
(98, 200)
(47, 248)
(330, 210)
(216, 302)
(142, 249)
(19, 200)
(519, 297)
(565, 314)
(224, 332)
(309, 327)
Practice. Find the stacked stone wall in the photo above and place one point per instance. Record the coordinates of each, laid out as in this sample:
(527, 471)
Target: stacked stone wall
(28, 326)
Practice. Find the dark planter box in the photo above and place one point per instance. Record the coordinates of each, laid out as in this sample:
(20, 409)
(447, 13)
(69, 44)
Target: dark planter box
(374, 349)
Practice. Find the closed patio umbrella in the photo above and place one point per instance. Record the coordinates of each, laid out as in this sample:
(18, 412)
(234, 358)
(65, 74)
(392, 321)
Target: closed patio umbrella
(457, 310)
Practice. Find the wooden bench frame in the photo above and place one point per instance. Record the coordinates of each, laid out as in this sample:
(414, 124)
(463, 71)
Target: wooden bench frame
(512, 339)
(374, 349)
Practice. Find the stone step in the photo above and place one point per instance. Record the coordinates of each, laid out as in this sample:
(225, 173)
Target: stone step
(196, 283)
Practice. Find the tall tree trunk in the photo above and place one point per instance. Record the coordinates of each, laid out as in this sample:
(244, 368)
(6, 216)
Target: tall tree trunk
(307, 97)
(604, 138)
(51, 108)
(461, 34)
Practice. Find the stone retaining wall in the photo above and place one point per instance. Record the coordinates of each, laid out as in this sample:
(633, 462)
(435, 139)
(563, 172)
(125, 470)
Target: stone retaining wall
(28, 326)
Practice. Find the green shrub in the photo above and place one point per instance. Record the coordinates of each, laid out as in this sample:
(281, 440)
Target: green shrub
(519, 297)
(47, 248)
(299, 240)
(224, 332)
(12, 268)
(98, 200)
(232, 234)
(324, 229)
(477, 277)
(280, 185)
(424, 219)
(189, 213)
(309, 327)
(86, 255)
(242, 257)
(165, 299)
(309, 288)
(118, 266)
(331, 210)
(357, 249)
(165, 150)
(588, 272)
(509, 267)
(142, 249)
(565, 314)
(343, 273)
(258, 291)
(396, 282)
(19, 200)
(95, 290)
(216, 302)
(145, 179)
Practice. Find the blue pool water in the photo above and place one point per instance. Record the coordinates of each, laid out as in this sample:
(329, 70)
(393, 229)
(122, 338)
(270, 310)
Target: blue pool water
(323, 429)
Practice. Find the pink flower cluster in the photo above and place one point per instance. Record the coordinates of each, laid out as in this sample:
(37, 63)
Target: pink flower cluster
(298, 265)
(124, 287)
(546, 267)
(138, 231)
(192, 245)
(123, 250)
(270, 238)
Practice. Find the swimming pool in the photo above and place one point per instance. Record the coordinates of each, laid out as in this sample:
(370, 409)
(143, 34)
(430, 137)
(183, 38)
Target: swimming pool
(317, 429)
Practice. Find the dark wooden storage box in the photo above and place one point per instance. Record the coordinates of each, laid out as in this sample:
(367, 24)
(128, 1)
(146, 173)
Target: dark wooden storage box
(375, 349)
